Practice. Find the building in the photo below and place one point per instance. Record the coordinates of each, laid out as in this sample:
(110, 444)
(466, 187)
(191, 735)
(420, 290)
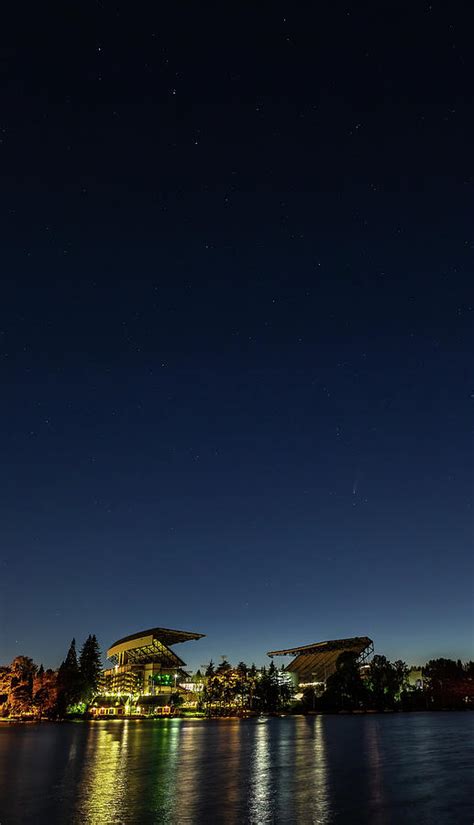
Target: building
(145, 673)
(415, 678)
(313, 664)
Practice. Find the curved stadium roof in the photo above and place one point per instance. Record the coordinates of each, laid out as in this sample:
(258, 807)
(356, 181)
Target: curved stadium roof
(163, 634)
(354, 643)
(150, 642)
(317, 661)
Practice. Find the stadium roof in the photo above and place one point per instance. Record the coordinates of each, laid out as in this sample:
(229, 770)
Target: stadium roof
(164, 634)
(332, 644)
(317, 661)
(152, 644)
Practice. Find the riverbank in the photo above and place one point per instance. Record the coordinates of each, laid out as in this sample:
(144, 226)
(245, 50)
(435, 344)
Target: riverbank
(21, 720)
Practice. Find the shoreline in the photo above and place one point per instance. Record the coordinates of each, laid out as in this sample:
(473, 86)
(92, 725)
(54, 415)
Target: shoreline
(258, 718)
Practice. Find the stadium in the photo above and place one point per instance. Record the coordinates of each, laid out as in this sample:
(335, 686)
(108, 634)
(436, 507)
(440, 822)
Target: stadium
(313, 664)
(145, 673)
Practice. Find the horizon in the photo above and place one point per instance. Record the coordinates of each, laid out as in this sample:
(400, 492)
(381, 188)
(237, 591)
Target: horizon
(198, 662)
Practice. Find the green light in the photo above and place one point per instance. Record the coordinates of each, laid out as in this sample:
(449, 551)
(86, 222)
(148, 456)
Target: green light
(164, 679)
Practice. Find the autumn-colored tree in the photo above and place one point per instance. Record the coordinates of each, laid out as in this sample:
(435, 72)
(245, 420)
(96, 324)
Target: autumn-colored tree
(17, 686)
(5, 689)
(22, 669)
(21, 701)
(45, 693)
(26, 689)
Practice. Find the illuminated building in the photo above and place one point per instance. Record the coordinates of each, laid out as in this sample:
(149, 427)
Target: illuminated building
(415, 678)
(145, 673)
(313, 664)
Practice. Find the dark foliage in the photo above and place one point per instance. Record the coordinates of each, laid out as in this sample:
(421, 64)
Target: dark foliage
(69, 682)
(90, 668)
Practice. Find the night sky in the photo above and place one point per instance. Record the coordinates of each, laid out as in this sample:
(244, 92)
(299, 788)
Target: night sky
(236, 326)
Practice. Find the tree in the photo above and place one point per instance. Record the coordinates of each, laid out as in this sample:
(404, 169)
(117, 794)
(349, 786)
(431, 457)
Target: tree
(210, 669)
(345, 689)
(70, 661)
(386, 681)
(20, 690)
(5, 689)
(69, 680)
(176, 700)
(45, 693)
(21, 700)
(272, 691)
(286, 690)
(469, 670)
(40, 700)
(448, 683)
(90, 668)
(23, 669)
(267, 689)
(243, 684)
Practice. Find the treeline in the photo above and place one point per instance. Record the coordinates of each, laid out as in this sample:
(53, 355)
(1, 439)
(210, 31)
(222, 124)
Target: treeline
(449, 684)
(226, 689)
(27, 690)
(380, 685)
(385, 685)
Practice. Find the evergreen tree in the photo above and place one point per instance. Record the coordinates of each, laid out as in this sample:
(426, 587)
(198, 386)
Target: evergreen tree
(70, 662)
(252, 681)
(243, 684)
(269, 695)
(69, 680)
(210, 669)
(90, 668)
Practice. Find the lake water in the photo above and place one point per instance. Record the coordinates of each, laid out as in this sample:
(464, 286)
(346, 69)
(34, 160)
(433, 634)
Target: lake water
(376, 769)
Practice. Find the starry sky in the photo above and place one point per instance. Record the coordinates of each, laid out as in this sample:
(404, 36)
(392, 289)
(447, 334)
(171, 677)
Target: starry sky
(235, 326)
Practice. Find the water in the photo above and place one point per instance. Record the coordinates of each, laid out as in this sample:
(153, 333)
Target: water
(375, 770)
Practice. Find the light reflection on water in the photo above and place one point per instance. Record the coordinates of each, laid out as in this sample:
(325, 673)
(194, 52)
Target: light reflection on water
(103, 788)
(375, 774)
(375, 770)
(260, 808)
(188, 774)
(320, 775)
(164, 769)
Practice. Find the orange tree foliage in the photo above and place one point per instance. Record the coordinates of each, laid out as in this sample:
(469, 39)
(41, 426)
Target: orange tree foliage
(26, 690)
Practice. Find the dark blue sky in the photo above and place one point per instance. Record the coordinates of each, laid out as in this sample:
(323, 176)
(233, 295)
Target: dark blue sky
(235, 328)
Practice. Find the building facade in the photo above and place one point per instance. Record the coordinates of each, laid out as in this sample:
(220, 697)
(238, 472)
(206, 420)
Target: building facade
(145, 674)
